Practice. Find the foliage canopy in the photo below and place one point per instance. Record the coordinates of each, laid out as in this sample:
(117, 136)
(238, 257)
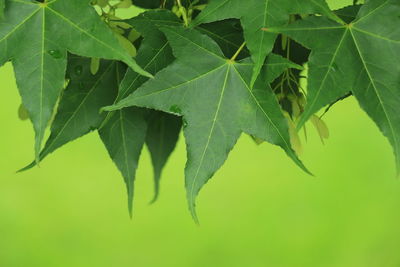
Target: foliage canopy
(215, 69)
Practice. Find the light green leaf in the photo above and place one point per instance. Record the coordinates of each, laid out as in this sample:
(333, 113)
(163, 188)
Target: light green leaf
(216, 101)
(258, 14)
(125, 4)
(52, 29)
(94, 65)
(362, 57)
(127, 45)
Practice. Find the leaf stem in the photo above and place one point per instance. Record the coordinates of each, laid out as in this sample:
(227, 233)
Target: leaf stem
(238, 52)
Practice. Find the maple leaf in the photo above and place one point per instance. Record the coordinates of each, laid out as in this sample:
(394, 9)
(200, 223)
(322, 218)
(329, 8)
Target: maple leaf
(124, 131)
(228, 34)
(214, 96)
(154, 55)
(362, 56)
(78, 110)
(258, 14)
(161, 139)
(52, 28)
(348, 13)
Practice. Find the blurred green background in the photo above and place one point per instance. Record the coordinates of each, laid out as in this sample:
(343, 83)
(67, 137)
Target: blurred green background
(258, 210)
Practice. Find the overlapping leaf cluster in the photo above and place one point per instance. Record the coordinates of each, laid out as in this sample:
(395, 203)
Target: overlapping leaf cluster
(215, 69)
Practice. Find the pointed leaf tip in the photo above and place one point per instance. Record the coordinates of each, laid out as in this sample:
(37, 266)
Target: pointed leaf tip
(193, 212)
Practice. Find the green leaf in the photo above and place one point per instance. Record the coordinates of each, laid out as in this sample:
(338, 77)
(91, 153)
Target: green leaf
(124, 4)
(78, 111)
(124, 131)
(161, 139)
(52, 29)
(153, 4)
(147, 3)
(348, 14)
(214, 96)
(2, 7)
(362, 57)
(327, 81)
(124, 136)
(23, 114)
(228, 34)
(155, 53)
(258, 14)
(101, 3)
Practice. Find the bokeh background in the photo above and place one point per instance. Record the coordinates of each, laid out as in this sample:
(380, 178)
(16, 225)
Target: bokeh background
(258, 210)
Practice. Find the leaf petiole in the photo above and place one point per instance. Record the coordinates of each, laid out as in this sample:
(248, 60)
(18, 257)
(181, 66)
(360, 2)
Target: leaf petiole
(233, 58)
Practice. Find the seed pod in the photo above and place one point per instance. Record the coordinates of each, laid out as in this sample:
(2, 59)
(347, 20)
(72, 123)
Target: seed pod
(94, 65)
(294, 137)
(321, 127)
(133, 35)
(127, 45)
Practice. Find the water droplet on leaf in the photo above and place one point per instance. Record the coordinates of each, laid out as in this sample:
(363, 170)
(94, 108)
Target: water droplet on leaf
(55, 53)
(78, 70)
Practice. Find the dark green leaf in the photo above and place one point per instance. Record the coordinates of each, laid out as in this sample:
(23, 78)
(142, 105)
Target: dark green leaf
(124, 131)
(2, 6)
(52, 29)
(362, 57)
(124, 136)
(348, 14)
(214, 96)
(78, 111)
(258, 14)
(155, 53)
(153, 4)
(161, 140)
(228, 34)
(148, 3)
